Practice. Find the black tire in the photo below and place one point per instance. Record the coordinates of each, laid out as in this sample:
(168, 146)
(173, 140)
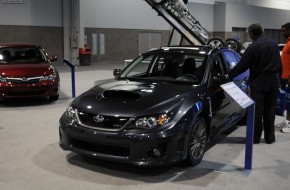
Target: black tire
(159, 2)
(197, 142)
(216, 42)
(53, 98)
(234, 44)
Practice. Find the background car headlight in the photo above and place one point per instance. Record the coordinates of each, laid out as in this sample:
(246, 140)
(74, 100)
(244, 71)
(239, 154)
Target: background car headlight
(2, 79)
(49, 77)
(70, 115)
(151, 122)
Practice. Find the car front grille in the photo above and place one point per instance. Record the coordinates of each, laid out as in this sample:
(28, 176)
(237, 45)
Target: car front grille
(102, 148)
(111, 123)
(24, 80)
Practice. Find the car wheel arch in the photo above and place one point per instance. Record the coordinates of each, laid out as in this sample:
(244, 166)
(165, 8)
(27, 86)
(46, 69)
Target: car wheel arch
(194, 116)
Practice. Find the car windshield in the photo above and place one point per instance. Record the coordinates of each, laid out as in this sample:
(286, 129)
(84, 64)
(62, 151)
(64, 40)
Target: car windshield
(187, 68)
(21, 54)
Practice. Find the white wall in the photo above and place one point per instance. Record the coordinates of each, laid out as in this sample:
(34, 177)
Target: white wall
(137, 14)
(243, 16)
(32, 13)
(128, 14)
(275, 4)
(219, 17)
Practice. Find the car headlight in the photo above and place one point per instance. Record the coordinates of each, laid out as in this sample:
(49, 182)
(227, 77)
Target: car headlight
(49, 77)
(151, 122)
(70, 115)
(3, 79)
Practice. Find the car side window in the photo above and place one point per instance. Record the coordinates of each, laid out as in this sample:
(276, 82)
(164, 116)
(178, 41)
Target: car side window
(218, 66)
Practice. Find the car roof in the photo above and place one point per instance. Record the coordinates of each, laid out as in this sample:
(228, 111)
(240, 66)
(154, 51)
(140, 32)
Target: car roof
(17, 45)
(186, 49)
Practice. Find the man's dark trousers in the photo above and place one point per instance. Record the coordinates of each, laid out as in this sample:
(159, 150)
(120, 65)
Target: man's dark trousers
(264, 101)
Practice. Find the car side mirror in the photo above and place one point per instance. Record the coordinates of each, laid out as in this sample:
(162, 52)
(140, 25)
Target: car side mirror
(117, 72)
(53, 58)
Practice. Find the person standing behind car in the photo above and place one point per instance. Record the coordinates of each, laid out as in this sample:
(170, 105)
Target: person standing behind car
(262, 58)
(285, 80)
(285, 56)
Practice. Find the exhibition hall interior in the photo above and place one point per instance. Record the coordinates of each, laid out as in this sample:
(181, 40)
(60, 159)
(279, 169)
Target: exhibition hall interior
(137, 94)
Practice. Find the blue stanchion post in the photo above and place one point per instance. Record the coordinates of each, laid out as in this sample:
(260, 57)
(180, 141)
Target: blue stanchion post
(72, 76)
(249, 136)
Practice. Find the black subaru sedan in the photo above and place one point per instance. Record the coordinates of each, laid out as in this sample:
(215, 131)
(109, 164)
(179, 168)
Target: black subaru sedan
(164, 107)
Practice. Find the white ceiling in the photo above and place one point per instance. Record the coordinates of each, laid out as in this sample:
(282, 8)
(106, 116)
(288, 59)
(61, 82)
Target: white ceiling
(276, 4)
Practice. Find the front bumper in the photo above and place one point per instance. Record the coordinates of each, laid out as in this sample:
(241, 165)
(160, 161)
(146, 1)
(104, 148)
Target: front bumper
(142, 149)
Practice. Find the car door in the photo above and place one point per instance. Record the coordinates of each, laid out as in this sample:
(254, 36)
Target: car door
(231, 59)
(222, 104)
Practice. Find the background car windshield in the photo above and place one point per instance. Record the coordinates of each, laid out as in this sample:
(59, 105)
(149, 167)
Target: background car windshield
(21, 54)
(167, 66)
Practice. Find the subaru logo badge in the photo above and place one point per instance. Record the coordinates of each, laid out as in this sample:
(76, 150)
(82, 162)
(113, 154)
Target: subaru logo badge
(98, 118)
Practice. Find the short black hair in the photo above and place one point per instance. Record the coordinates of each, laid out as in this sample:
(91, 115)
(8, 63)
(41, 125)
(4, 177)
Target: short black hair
(256, 29)
(286, 26)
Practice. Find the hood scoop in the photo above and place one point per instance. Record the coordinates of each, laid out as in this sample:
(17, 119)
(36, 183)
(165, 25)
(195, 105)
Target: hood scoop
(121, 95)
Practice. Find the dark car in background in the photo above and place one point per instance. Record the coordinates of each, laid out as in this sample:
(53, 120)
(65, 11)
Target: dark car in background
(164, 107)
(26, 71)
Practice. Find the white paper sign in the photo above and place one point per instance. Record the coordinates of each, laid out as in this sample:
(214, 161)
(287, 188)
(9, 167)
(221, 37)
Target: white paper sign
(237, 94)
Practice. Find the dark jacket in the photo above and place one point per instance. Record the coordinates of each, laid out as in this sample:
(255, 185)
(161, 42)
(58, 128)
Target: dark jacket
(263, 60)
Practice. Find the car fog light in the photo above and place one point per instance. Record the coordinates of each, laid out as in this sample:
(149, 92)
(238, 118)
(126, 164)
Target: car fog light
(156, 152)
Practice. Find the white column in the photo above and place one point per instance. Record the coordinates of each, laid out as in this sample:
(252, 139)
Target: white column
(77, 30)
(67, 21)
(81, 25)
(75, 39)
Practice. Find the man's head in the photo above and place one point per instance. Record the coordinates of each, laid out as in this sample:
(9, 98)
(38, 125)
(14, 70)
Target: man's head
(285, 29)
(255, 30)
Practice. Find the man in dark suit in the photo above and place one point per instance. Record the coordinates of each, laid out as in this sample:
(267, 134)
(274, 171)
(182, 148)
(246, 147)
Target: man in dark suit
(263, 60)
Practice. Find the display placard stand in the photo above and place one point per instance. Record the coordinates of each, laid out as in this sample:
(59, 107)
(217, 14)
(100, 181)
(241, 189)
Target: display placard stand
(249, 137)
(246, 103)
